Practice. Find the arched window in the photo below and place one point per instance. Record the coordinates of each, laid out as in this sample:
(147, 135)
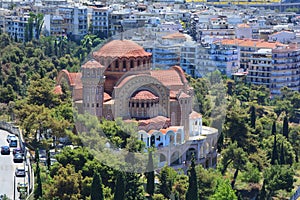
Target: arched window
(117, 64)
(124, 64)
(131, 64)
(138, 62)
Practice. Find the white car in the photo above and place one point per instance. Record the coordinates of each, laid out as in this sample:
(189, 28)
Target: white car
(9, 136)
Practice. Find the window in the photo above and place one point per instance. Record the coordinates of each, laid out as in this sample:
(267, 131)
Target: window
(124, 64)
(117, 64)
(131, 64)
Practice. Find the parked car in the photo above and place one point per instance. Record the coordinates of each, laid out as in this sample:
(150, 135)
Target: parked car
(18, 150)
(18, 158)
(5, 150)
(20, 172)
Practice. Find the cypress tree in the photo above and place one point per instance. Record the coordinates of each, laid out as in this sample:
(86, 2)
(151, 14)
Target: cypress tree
(274, 158)
(96, 188)
(150, 175)
(274, 128)
(39, 190)
(253, 116)
(192, 192)
(285, 130)
(282, 158)
(120, 187)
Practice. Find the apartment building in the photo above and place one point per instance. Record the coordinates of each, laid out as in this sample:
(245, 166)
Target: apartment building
(276, 68)
(100, 21)
(200, 59)
(246, 48)
(75, 20)
(15, 26)
(54, 25)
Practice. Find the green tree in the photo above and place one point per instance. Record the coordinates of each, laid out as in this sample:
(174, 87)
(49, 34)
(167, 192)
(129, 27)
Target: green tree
(285, 129)
(134, 188)
(279, 177)
(253, 116)
(96, 188)
(192, 192)
(207, 181)
(120, 186)
(180, 187)
(66, 180)
(282, 158)
(223, 191)
(150, 175)
(38, 191)
(166, 177)
(274, 158)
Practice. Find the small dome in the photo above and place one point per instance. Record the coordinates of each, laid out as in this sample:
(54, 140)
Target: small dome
(92, 64)
(121, 48)
(144, 95)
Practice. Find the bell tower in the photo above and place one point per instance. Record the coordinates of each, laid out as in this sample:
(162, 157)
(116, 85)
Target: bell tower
(93, 87)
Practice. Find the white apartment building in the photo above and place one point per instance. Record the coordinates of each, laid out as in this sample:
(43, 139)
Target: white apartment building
(100, 21)
(75, 20)
(276, 68)
(201, 59)
(15, 26)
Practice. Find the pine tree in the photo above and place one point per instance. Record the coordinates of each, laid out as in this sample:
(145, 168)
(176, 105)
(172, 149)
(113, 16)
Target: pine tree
(253, 116)
(120, 187)
(192, 192)
(282, 157)
(150, 175)
(96, 188)
(134, 188)
(285, 130)
(274, 158)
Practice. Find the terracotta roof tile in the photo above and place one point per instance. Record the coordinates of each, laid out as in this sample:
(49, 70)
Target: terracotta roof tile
(121, 48)
(168, 77)
(92, 64)
(195, 115)
(106, 97)
(75, 79)
(251, 43)
(183, 96)
(174, 36)
(144, 95)
(57, 90)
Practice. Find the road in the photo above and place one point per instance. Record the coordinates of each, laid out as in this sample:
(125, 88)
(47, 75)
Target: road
(8, 182)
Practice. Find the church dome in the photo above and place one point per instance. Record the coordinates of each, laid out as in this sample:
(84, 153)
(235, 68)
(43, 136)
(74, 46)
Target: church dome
(121, 48)
(144, 95)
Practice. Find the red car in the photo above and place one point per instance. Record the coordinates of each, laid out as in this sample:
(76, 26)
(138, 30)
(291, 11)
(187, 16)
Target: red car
(18, 150)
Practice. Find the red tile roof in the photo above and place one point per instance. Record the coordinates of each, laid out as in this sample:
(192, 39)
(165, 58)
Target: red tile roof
(57, 90)
(195, 115)
(92, 64)
(146, 95)
(121, 48)
(250, 43)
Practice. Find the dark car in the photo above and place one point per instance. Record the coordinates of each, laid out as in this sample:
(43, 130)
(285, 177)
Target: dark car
(13, 142)
(5, 150)
(20, 172)
(18, 150)
(18, 158)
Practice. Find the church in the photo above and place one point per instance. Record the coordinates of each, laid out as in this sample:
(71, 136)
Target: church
(119, 82)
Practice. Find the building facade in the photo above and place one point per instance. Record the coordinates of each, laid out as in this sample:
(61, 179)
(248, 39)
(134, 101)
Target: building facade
(119, 83)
